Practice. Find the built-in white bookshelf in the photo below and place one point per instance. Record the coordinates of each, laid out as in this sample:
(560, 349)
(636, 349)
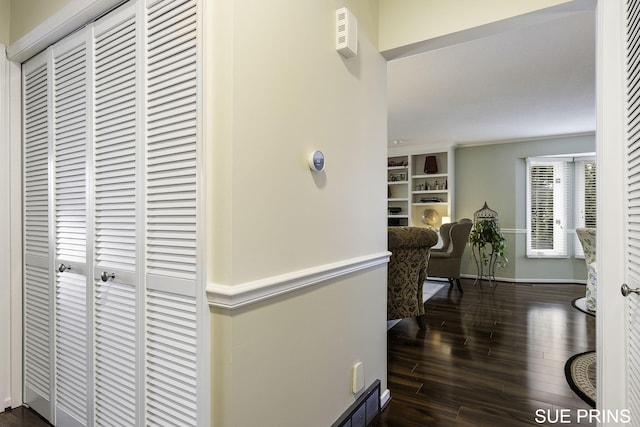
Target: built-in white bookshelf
(420, 188)
(398, 192)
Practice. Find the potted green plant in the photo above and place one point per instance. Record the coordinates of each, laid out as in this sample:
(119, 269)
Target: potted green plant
(488, 247)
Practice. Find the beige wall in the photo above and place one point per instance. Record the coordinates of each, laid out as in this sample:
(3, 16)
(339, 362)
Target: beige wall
(288, 362)
(280, 90)
(28, 14)
(403, 22)
(5, 12)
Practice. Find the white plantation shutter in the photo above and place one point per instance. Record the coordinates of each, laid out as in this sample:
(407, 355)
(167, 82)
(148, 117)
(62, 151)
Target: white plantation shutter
(115, 338)
(115, 144)
(38, 378)
(171, 360)
(71, 349)
(171, 144)
(38, 366)
(36, 155)
(69, 141)
(547, 189)
(172, 380)
(70, 154)
(115, 147)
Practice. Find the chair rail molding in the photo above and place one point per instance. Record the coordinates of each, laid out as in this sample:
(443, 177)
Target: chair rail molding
(231, 297)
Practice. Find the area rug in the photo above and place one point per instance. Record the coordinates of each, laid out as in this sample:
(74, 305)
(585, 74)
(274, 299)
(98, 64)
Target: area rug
(429, 289)
(580, 371)
(581, 304)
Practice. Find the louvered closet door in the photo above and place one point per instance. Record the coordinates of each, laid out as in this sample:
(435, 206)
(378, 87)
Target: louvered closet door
(72, 309)
(38, 332)
(633, 208)
(172, 332)
(115, 317)
(118, 300)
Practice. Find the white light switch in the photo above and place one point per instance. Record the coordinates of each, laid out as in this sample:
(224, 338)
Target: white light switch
(357, 377)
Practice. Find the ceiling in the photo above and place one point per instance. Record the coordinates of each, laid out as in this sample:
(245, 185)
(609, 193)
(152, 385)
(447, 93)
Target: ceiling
(533, 81)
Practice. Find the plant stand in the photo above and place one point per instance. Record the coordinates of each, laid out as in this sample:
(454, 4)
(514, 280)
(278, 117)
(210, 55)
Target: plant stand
(485, 264)
(487, 244)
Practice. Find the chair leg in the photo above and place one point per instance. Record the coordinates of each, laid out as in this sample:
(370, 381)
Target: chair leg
(459, 286)
(450, 282)
(422, 321)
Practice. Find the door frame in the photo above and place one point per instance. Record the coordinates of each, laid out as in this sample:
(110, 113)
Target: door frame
(610, 152)
(11, 231)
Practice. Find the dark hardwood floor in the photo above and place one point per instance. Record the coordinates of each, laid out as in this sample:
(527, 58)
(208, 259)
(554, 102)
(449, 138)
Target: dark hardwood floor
(489, 357)
(22, 417)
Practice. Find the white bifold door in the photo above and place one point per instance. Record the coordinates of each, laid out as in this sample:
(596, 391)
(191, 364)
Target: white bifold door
(114, 301)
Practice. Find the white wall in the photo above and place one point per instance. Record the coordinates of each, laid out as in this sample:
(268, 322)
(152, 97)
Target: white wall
(280, 90)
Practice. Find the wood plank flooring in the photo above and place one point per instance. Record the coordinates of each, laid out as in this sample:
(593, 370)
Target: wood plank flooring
(489, 357)
(22, 417)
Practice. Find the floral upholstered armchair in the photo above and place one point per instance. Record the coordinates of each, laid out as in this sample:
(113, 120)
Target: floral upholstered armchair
(407, 271)
(587, 237)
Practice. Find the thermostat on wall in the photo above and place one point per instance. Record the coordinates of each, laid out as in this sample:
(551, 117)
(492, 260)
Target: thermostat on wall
(316, 161)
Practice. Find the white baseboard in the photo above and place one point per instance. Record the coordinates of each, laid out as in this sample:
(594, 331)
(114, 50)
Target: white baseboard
(385, 397)
(530, 280)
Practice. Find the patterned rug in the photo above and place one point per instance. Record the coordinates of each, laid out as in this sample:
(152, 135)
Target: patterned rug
(430, 288)
(581, 304)
(580, 371)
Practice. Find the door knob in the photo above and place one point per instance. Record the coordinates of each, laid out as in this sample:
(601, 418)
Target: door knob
(626, 290)
(62, 268)
(106, 276)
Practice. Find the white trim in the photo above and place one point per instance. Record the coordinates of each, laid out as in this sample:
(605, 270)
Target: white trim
(235, 296)
(204, 34)
(5, 243)
(531, 280)
(11, 232)
(14, 92)
(385, 397)
(527, 139)
(611, 360)
(70, 18)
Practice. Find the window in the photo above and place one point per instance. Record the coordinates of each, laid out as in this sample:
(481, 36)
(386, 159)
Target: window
(561, 196)
(547, 208)
(585, 198)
